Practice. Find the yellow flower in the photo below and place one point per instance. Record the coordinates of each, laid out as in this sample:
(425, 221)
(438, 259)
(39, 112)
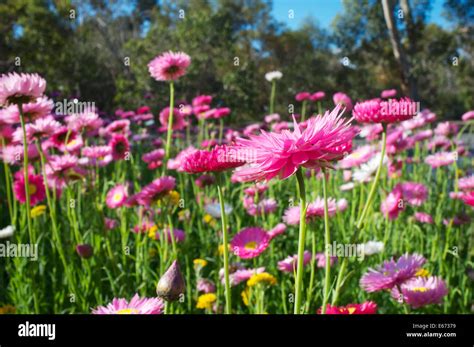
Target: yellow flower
(199, 263)
(208, 219)
(422, 273)
(221, 249)
(7, 309)
(173, 197)
(205, 301)
(263, 278)
(246, 296)
(152, 231)
(38, 211)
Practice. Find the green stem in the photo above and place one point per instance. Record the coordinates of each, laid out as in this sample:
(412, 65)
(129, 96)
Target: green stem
(327, 241)
(8, 187)
(301, 243)
(225, 242)
(170, 123)
(272, 97)
(303, 111)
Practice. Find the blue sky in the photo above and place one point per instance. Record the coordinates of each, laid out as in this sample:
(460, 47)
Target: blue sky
(323, 11)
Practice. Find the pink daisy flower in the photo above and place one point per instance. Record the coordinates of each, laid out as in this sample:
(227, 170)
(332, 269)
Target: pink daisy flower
(117, 196)
(63, 169)
(20, 88)
(279, 229)
(392, 273)
(119, 146)
(154, 159)
(290, 263)
(468, 198)
(169, 66)
(466, 183)
(136, 306)
(36, 190)
(368, 307)
(468, 116)
(302, 96)
(378, 111)
(156, 190)
(250, 243)
(393, 203)
(388, 93)
(63, 134)
(96, 156)
(421, 291)
(440, 159)
(423, 217)
(205, 286)
(414, 193)
(88, 121)
(317, 96)
(202, 100)
(178, 162)
(321, 260)
(179, 122)
(342, 99)
(326, 138)
(446, 129)
(42, 127)
(360, 156)
(220, 158)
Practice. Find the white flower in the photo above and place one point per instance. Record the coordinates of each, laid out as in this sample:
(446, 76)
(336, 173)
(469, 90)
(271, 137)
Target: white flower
(273, 75)
(372, 247)
(215, 209)
(366, 171)
(7, 232)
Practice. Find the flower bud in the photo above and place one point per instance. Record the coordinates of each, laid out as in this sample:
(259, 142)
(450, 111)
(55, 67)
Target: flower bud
(171, 285)
(85, 251)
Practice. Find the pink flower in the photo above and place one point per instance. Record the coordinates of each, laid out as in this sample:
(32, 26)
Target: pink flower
(169, 66)
(317, 96)
(178, 162)
(378, 111)
(154, 158)
(393, 204)
(468, 116)
(121, 126)
(326, 138)
(321, 260)
(466, 183)
(63, 169)
(36, 190)
(440, 159)
(414, 193)
(315, 209)
(279, 229)
(423, 217)
(360, 156)
(179, 122)
(136, 306)
(87, 121)
(274, 117)
(250, 242)
(20, 88)
(388, 93)
(392, 273)
(368, 307)
(342, 99)
(205, 286)
(178, 235)
(202, 100)
(421, 291)
(156, 190)
(42, 127)
(446, 129)
(66, 140)
(220, 158)
(117, 196)
(290, 263)
(96, 156)
(221, 112)
(119, 147)
(302, 96)
(468, 198)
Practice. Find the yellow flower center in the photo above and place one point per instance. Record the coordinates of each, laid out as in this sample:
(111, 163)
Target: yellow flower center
(31, 189)
(117, 197)
(422, 273)
(419, 289)
(251, 245)
(128, 311)
(38, 211)
(351, 310)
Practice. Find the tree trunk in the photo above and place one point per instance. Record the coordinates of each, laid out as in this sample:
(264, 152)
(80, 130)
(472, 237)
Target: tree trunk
(408, 82)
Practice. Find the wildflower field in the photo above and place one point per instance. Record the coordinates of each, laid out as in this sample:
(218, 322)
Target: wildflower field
(324, 204)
